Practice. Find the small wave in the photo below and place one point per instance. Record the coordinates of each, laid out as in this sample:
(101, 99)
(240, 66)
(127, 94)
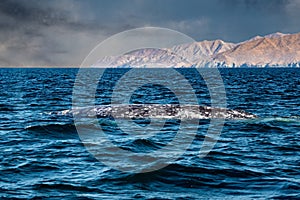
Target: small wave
(54, 130)
(29, 166)
(65, 187)
(293, 119)
(6, 108)
(52, 127)
(67, 130)
(267, 124)
(142, 145)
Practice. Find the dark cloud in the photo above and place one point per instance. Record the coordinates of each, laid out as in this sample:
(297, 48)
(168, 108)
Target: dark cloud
(62, 32)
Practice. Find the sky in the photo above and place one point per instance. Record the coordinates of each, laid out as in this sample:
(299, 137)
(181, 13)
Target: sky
(63, 32)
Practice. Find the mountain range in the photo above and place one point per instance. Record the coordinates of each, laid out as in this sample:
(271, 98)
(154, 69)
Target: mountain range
(274, 50)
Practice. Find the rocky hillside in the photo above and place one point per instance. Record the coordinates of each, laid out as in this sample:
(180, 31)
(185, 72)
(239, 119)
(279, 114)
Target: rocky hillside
(274, 50)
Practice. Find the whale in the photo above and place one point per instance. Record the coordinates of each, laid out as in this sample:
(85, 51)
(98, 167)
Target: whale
(160, 111)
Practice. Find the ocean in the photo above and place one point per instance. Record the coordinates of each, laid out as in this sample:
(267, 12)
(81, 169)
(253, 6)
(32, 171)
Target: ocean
(43, 156)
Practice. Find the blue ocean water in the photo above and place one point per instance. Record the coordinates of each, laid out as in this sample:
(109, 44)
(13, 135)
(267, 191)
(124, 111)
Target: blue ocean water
(42, 155)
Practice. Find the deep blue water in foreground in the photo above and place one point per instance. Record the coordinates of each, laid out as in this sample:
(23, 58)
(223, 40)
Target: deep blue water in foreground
(43, 156)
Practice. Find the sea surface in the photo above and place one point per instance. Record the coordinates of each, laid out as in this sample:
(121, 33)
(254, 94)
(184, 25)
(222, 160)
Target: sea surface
(42, 155)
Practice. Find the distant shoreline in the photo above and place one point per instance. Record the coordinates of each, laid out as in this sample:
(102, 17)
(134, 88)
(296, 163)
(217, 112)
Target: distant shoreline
(51, 67)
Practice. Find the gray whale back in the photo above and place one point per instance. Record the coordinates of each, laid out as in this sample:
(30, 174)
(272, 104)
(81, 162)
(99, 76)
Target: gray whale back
(170, 111)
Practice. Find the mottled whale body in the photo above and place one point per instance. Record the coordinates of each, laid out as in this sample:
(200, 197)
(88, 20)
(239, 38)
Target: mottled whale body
(168, 111)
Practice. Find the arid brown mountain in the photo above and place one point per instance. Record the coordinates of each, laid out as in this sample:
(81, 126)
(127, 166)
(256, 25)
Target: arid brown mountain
(202, 51)
(267, 51)
(274, 50)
